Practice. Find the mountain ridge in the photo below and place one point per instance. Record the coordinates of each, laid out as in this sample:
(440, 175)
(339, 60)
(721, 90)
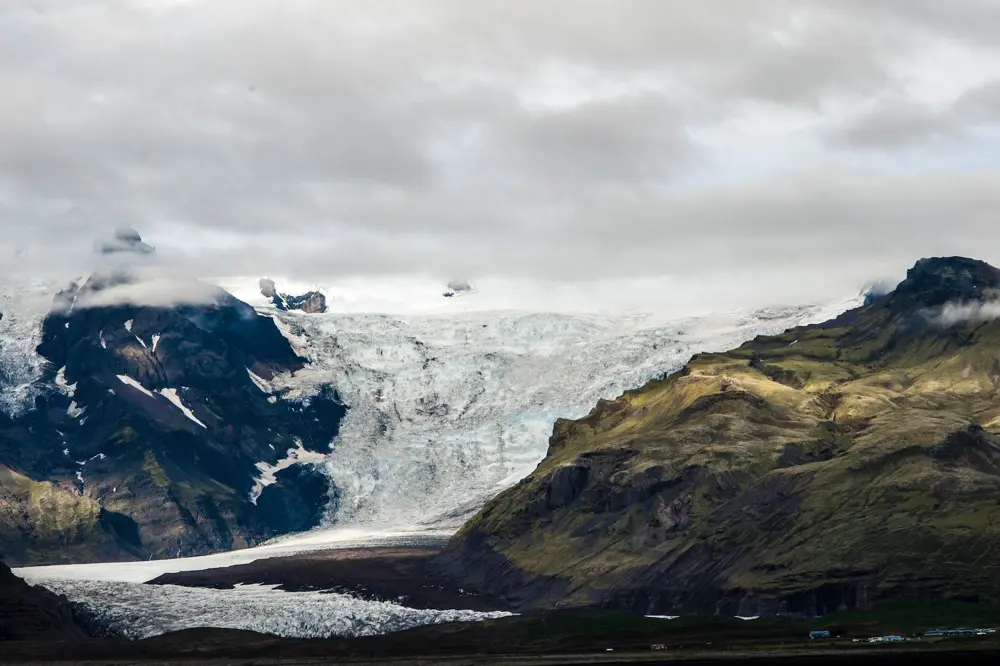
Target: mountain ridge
(827, 467)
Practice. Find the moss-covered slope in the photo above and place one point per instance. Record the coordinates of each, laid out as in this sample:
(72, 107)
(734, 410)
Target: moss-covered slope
(824, 468)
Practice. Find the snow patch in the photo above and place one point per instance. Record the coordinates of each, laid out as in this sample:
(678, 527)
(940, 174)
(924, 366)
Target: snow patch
(292, 457)
(68, 389)
(156, 341)
(141, 342)
(260, 382)
(74, 411)
(125, 379)
(128, 325)
(171, 395)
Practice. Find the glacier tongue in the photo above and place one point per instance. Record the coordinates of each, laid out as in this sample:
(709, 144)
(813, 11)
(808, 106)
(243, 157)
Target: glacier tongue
(140, 611)
(448, 410)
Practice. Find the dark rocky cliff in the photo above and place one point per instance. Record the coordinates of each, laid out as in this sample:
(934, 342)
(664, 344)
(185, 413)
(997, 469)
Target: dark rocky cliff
(147, 439)
(33, 613)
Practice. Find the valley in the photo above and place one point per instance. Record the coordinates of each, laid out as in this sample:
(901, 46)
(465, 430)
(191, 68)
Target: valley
(445, 440)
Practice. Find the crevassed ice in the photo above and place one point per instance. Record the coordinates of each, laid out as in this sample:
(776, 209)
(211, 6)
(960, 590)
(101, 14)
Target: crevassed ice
(23, 307)
(448, 410)
(140, 611)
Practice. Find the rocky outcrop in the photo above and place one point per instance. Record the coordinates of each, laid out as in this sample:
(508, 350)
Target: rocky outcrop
(829, 467)
(127, 241)
(311, 302)
(33, 613)
(148, 440)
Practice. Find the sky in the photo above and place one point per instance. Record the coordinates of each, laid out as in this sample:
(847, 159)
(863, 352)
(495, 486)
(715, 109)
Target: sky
(751, 152)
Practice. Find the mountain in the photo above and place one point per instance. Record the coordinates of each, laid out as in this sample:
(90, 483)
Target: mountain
(28, 612)
(156, 432)
(828, 467)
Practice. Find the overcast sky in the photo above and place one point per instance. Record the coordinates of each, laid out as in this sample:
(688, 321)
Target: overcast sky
(790, 147)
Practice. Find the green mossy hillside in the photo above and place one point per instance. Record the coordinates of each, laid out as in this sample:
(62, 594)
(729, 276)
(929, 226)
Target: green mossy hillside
(822, 469)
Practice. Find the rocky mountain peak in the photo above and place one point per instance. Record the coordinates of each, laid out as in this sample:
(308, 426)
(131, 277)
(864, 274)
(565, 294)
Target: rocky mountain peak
(154, 426)
(935, 281)
(127, 240)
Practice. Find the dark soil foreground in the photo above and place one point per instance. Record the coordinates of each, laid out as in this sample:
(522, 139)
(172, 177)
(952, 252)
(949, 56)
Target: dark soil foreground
(401, 575)
(571, 636)
(577, 637)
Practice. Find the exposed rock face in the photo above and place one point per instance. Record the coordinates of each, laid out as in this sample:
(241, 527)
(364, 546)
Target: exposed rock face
(311, 302)
(32, 613)
(825, 468)
(127, 241)
(148, 442)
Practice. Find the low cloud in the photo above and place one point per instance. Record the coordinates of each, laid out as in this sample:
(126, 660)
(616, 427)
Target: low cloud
(970, 311)
(161, 292)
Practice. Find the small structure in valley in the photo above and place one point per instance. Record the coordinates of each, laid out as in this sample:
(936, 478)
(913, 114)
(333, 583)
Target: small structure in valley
(820, 633)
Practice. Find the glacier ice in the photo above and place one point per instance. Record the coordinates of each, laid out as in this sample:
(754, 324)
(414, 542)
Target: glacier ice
(114, 593)
(23, 307)
(136, 611)
(447, 410)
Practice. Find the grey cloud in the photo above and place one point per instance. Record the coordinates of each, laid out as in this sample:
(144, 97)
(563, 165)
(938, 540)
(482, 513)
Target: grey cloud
(562, 140)
(151, 292)
(899, 122)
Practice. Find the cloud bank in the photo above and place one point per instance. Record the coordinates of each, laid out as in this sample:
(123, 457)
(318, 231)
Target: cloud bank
(784, 148)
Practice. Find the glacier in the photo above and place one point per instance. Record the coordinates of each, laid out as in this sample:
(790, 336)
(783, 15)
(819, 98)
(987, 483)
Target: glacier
(447, 408)
(22, 307)
(131, 611)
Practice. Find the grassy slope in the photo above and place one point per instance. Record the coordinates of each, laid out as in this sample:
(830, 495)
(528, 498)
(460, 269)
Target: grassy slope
(861, 455)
